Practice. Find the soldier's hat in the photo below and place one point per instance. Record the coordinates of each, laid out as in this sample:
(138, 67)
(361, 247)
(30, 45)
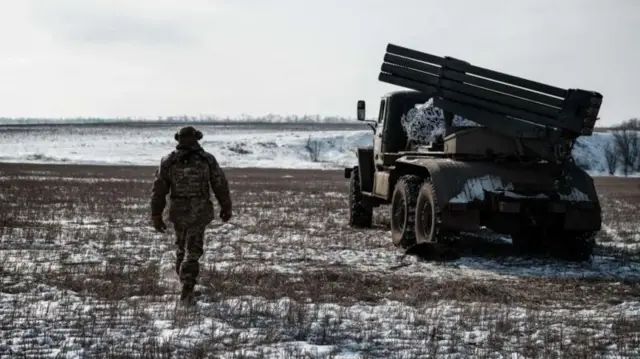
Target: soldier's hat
(188, 131)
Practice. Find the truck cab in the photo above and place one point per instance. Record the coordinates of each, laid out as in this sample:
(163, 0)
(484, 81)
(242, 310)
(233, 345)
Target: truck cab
(389, 135)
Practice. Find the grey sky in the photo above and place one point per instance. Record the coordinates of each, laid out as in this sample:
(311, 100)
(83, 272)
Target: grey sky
(159, 57)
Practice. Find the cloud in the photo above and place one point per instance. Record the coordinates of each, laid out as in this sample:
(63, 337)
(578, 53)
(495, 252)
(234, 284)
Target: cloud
(101, 22)
(226, 57)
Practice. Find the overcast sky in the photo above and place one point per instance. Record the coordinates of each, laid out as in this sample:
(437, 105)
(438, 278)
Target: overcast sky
(63, 58)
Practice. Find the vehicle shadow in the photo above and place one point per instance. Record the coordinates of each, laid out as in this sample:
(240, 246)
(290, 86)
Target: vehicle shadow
(491, 252)
(486, 251)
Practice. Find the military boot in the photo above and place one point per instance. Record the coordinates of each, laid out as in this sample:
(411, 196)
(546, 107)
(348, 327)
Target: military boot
(187, 296)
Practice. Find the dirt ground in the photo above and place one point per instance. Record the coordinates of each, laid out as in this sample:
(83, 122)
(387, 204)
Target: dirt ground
(82, 270)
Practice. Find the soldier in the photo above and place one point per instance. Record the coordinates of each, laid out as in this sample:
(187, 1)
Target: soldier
(188, 174)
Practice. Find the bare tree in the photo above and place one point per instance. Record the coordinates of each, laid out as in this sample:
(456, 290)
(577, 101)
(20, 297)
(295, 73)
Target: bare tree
(627, 146)
(313, 147)
(631, 124)
(611, 157)
(634, 125)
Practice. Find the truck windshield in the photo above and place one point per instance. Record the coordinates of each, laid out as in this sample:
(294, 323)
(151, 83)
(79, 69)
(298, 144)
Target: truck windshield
(402, 105)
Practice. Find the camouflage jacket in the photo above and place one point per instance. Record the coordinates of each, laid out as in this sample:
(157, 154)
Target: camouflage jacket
(188, 174)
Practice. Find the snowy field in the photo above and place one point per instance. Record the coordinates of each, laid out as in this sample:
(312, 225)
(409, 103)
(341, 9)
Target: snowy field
(317, 146)
(269, 145)
(83, 274)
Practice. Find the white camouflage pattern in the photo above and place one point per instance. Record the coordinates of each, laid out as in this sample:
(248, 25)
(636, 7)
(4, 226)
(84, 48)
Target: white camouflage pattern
(425, 123)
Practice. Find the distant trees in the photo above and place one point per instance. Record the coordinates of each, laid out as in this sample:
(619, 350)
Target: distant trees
(625, 151)
(268, 118)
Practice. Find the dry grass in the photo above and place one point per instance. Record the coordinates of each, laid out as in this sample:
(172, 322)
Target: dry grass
(83, 273)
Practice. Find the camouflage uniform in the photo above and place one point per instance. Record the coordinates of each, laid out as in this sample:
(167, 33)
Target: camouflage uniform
(189, 174)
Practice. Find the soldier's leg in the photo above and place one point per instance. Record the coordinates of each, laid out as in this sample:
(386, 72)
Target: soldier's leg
(190, 268)
(180, 244)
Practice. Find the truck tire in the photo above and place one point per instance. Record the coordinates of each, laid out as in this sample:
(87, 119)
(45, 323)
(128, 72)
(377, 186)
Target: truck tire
(360, 211)
(403, 209)
(427, 215)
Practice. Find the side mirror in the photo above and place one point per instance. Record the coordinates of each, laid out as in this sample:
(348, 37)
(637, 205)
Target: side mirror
(361, 110)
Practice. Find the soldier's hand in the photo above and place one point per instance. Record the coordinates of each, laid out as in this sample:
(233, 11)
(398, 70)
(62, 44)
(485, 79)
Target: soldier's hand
(225, 215)
(158, 223)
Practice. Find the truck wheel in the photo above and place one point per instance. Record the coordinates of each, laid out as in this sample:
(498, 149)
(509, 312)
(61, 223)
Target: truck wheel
(427, 216)
(360, 211)
(403, 208)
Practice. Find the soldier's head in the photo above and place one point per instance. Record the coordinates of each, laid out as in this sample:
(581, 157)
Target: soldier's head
(188, 135)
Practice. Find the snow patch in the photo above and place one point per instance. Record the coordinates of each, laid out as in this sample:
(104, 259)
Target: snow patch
(475, 188)
(575, 196)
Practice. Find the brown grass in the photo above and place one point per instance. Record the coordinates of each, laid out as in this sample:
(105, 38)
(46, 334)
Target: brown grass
(78, 260)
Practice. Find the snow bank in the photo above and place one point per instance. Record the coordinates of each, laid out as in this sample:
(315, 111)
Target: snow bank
(233, 146)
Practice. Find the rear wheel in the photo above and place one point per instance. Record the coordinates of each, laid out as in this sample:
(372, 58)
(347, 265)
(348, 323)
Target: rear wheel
(403, 208)
(432, 243)
(427, 214)
(360, 210)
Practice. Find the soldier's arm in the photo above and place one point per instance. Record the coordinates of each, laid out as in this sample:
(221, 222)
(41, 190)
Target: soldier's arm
(160, 189)
(219, 183)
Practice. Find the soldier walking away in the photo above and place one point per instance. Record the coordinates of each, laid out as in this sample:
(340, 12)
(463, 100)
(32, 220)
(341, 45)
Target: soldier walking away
(188, 174)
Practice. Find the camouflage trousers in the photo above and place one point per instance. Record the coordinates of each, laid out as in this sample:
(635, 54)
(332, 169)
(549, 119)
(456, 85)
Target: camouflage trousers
(190, 242)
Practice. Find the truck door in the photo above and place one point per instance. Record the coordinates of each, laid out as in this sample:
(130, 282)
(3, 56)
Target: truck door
(377, 140)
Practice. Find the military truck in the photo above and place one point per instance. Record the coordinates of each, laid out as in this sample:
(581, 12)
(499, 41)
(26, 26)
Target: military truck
(513, 174)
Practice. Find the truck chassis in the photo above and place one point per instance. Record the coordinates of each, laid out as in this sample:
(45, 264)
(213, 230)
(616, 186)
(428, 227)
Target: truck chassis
(513, 173)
